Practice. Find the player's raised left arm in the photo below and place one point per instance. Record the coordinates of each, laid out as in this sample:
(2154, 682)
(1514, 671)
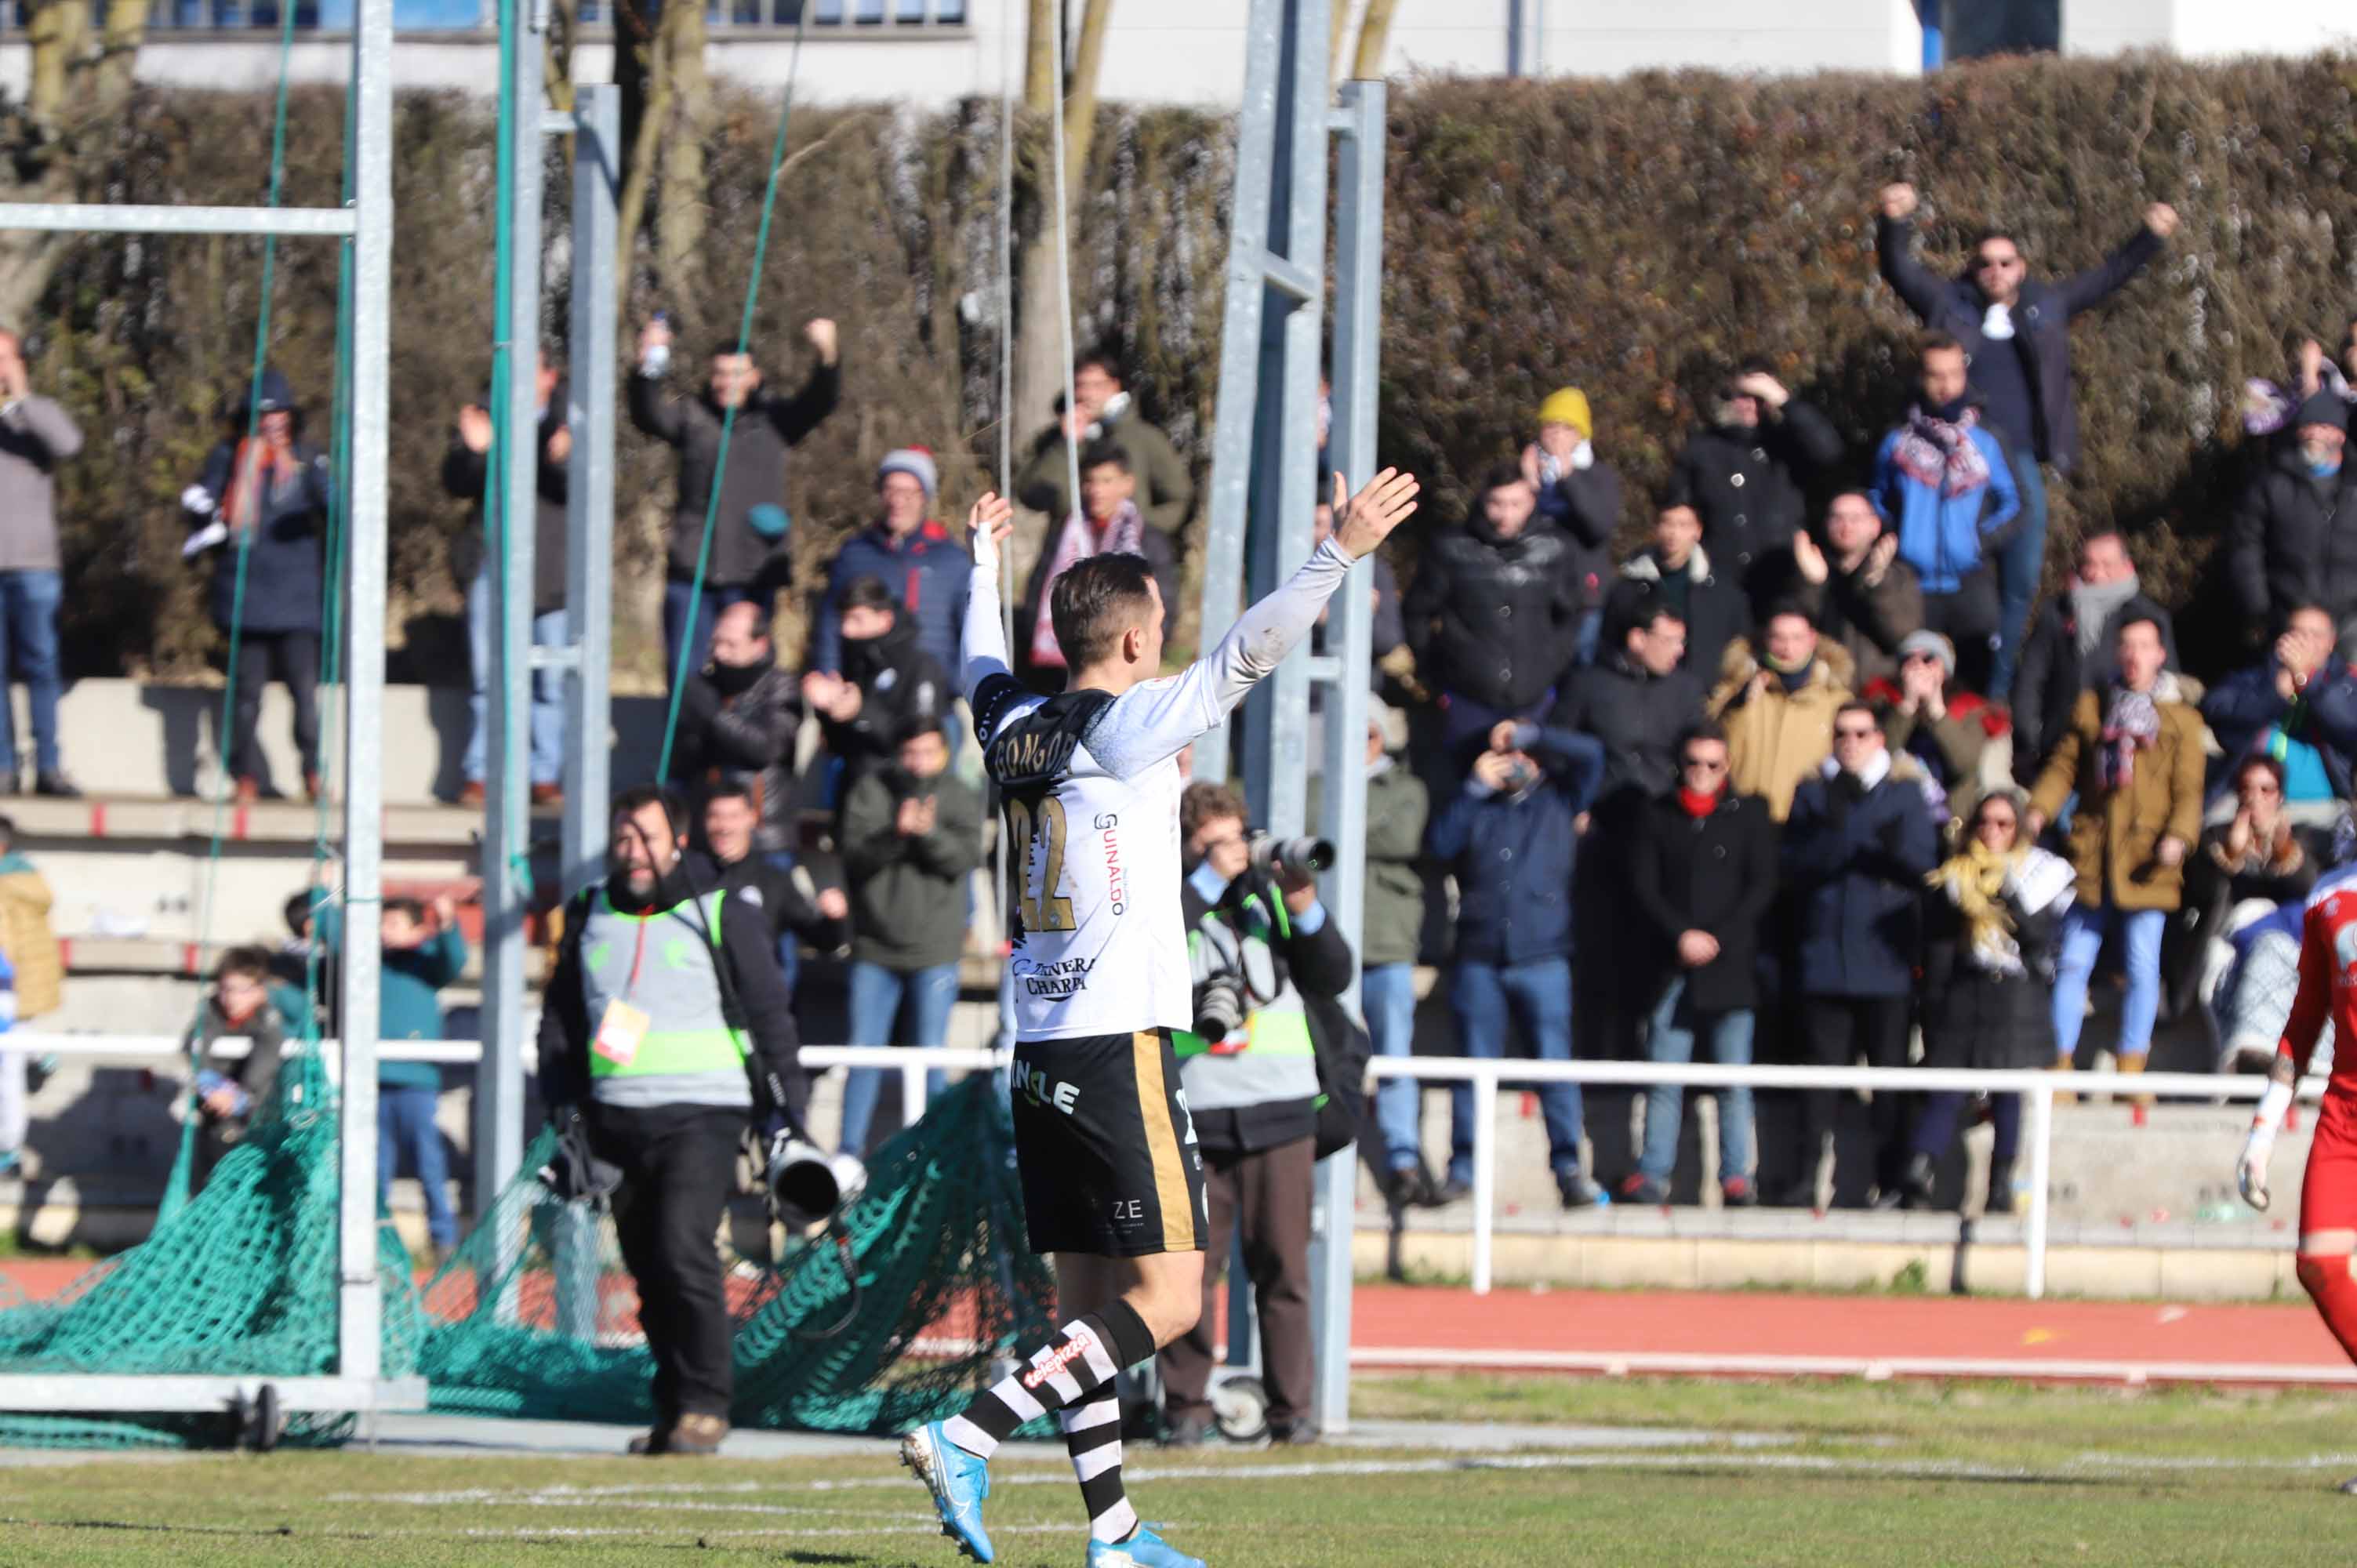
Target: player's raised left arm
(1151, 722)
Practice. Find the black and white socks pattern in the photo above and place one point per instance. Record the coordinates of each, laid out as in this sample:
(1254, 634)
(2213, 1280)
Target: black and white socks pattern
(1093, 1437)
(1084, 1356)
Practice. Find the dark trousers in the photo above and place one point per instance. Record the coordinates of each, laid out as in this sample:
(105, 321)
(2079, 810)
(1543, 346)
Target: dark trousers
(679, 1166)
(1936, 1128)
(1839, 1029)
(1268, 1194)
(1968, 618)
(291, 657)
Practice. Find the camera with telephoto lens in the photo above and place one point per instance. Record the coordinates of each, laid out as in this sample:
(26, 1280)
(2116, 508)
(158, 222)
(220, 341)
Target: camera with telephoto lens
(1301, 854)
(1220, 1005)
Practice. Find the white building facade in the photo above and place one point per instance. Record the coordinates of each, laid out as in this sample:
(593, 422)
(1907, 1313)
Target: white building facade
(929, 53)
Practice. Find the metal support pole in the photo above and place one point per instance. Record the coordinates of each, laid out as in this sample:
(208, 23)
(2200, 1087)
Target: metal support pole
(2041, 1177)
(589, 517)
(1358, 321)
(1935, 37)
(1485, 1175)
(75, 217)
(359, 1342)
(498, 1088)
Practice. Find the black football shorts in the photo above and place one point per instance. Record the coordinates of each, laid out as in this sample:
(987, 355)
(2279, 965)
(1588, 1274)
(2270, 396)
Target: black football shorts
(1106, 1148)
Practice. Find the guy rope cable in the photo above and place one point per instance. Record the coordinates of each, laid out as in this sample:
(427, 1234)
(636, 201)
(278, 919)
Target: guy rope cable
(728, 414)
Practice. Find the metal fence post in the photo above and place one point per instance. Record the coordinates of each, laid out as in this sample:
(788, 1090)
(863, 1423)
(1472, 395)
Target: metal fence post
(589, 487)
(1485, 1172)
(2041, 1175)
(360, 1339)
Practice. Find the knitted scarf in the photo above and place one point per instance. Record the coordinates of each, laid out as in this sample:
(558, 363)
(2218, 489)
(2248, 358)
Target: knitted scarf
(1123, 535)
(1942, 453)
(2131, 724)
(2091, 605)
(1974, 883)
(1697, 805)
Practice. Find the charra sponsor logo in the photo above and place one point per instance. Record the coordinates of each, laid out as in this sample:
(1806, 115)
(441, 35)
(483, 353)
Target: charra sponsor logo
(1048, 1363)
(1066, 977)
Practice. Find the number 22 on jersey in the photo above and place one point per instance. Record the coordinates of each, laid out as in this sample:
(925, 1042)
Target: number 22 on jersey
(1037, 840)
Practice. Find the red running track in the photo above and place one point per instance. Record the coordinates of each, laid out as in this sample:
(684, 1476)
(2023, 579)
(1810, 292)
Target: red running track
(1770, 1334)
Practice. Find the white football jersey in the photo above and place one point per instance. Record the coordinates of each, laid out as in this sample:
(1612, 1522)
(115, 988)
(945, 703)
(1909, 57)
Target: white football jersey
(1089, 786)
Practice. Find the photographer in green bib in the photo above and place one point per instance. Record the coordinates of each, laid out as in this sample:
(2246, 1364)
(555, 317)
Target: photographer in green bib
(1268, 968)
(666, 1031)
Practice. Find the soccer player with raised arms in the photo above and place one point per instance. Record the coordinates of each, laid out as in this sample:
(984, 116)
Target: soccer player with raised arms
(1112, 1184)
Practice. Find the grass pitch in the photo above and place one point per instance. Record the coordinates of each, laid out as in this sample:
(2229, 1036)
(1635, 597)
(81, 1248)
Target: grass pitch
(1811, 1475)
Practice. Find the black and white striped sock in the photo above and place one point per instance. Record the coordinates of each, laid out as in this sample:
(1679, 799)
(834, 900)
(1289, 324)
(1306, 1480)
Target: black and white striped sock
(1084, 1356)
(1093, 1437)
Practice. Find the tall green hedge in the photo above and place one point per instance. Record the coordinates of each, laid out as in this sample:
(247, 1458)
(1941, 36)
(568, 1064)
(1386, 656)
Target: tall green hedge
(1627, 237)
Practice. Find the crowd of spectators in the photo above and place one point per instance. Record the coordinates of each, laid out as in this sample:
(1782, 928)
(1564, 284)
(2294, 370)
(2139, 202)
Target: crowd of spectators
(1801, 778)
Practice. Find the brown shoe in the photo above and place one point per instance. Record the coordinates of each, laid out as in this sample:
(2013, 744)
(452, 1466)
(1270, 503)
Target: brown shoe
(246, 791)
(548, 794)
(472, 794)
(2133, 1065)
(697, 1436)
(2063, 1096)
(312, 787)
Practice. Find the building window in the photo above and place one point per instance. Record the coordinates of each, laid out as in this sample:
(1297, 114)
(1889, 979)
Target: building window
(1979, 28)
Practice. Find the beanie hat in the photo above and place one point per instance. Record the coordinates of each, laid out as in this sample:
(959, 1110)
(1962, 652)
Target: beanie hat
(1932, 643)
(1568, 406)
(917, 462)
(2324, 407)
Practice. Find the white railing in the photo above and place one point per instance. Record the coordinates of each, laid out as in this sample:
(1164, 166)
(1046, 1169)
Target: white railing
(1487, 1075)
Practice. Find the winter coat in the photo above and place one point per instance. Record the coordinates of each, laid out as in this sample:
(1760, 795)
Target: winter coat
(465, 474)
(1514, 856)
(1637, 718)
(1717, 612)
(926, 571)
(1947, 539)
(1748, 482)
(1494, 620)
(900, 684)
(1584, 504)
(1976, 1017)
(737, 727)
(765, 427)
(1870, 620)
(1855, 864)
(284, 582)
(1777, 738)
(2293, 541)
(1715, 873)
(770, 893)
(1953, 748)
(30, 946)
(2244, 709)
(1161, 558)
(1391, 928)
(2114, 834)
(2041, 319)
(907, 894)
(1166, 488)
(2053, 673)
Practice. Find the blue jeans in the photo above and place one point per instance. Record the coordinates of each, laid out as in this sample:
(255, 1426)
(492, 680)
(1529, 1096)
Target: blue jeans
(1387, 995)
(677, 596)
(2019, 567)
(404, 1124)
(28, 638)
(2083, 930)
(1671, 1039)
(1536, 994)
(550, 630)
(876, 994)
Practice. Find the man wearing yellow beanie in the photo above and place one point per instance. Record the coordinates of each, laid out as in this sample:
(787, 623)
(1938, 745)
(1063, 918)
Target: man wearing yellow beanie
(1580, 496)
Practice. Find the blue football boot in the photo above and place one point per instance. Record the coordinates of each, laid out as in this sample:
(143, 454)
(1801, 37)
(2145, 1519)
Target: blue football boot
(958, 1480)
(1144, 1550)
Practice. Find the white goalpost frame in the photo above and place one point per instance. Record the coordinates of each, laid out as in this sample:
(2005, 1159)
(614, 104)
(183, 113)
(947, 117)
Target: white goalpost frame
(358, 1384)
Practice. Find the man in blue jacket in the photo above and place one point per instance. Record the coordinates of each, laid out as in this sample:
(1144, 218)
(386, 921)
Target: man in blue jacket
(1858, 846)
(1946, 488)
(2016, 330)
(1511, 837)
(924, 564)
(2299, 706)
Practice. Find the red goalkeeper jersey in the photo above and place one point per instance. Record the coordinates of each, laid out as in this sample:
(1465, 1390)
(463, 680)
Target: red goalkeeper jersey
(2328, 981)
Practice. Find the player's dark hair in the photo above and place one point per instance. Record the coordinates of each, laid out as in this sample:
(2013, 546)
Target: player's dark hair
(1095, 601)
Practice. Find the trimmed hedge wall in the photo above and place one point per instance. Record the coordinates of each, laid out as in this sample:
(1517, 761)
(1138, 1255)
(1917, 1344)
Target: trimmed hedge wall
(1627, 237)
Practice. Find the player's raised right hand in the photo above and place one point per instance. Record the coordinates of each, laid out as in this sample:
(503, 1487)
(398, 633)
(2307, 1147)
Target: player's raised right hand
(1364, 520)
